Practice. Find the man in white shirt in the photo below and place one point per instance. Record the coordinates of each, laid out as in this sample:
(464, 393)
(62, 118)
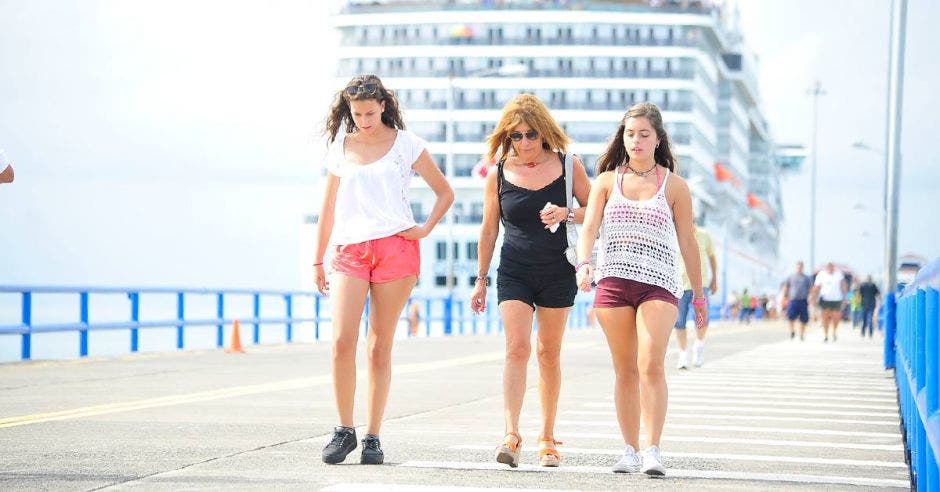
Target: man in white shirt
(6, 169)
(830, 289)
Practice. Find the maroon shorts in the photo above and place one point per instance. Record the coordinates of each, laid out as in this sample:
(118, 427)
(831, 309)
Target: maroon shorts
(614, 292)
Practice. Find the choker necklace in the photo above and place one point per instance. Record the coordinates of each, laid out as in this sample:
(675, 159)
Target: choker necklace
(641, 174)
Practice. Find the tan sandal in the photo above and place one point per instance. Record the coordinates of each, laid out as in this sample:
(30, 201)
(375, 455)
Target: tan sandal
(508, 452)
(548, 454)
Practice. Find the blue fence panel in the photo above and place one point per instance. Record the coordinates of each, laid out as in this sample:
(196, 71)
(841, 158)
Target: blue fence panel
(912, 342)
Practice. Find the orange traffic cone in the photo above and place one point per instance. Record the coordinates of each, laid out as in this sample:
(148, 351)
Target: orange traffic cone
(236, 343)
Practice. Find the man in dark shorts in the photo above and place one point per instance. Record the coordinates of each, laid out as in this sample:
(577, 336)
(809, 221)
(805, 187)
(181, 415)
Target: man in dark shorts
(796, 289)
(870, 295)
(830, 288)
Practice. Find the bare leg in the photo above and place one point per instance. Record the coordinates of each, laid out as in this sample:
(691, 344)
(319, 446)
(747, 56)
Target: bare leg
(551, 331)
(388, 301)
(348, 297)
(619, 325)
(836, 315)
(681, 338)
(700, 333)
(517, 326)
(654, 321)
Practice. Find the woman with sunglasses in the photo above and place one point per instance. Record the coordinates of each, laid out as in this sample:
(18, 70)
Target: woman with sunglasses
(534, 279)
(366, 220)
(643, 210)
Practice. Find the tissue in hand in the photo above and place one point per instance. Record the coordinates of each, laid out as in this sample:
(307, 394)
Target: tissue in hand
(554, 227)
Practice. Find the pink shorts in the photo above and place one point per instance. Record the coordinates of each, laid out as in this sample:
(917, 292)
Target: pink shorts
(378, 260)
(619, 292)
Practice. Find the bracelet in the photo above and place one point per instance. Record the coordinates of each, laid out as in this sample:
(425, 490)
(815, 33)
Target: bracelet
(699, 301)
(580, 264)
(570, 218)
(318, 264)
(485, 280)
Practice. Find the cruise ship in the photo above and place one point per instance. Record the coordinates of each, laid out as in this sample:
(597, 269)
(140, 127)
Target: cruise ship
(453, 65)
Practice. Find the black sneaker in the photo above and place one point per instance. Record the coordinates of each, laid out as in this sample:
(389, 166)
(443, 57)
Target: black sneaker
(372, 451)
(343, 442)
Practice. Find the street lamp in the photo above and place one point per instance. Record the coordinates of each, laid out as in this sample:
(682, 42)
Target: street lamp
(449, 137)
(815, 91)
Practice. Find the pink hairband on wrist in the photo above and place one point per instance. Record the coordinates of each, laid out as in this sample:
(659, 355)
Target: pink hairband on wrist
(699, 301)
(581, 264)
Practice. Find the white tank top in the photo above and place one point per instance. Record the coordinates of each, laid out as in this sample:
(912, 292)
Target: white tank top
(638, 239)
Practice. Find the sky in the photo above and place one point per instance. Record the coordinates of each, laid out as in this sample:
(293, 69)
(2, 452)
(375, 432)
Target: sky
(175, 143)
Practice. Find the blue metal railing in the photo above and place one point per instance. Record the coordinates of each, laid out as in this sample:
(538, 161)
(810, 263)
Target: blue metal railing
(911, 347)
(450, 314)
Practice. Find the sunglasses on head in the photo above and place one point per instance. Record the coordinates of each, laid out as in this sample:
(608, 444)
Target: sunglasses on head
(529, 135)
(362, 88)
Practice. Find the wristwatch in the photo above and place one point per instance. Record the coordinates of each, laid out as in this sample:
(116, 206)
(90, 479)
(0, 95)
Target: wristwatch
(570, 217)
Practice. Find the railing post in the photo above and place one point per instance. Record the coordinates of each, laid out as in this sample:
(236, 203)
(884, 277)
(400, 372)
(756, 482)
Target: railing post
(180, 315)
(83, 319)
(289, 325)
(256, 312)
(891, 326)
(460, 314)
(931, 342)
(135, 318)
(220, 313)
(489, 316)
(316, 317)
(26, 338)
(427, 317)
(920, 329)
(448, 313)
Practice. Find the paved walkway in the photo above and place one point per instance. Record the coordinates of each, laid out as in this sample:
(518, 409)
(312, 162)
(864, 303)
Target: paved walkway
(764, 412)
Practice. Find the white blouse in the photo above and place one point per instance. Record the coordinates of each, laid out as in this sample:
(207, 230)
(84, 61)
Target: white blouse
(372, 200)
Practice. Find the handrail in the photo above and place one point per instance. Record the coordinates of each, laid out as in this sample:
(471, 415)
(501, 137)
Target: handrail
(450, 314)
(912, 343)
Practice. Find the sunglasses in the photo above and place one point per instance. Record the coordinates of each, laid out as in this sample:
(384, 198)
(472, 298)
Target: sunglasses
(529, 135)
(364, 88)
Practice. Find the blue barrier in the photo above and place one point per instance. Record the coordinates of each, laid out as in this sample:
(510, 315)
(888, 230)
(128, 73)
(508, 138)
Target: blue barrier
(452, 312)
(911, 347)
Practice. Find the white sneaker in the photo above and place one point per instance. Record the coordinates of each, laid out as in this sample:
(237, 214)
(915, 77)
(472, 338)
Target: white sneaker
(699, 350)
(653, 462)
(630, 462)
(683, 360)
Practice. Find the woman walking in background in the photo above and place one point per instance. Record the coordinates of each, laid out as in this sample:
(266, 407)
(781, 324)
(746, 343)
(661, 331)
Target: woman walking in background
(366, 217)
(643, 210)
(534, 278)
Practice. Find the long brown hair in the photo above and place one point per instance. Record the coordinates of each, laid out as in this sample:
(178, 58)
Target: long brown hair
(616, 152)
(528, 109)
(340, 114)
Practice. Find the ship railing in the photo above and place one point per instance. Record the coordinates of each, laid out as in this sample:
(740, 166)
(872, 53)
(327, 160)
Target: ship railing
(912, 339)
(201, 318)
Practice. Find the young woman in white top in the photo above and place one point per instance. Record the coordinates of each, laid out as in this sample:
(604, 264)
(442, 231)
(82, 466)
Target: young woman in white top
(366, 219)
(645, 214)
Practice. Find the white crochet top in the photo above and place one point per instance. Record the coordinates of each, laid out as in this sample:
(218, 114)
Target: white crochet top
(638, 239)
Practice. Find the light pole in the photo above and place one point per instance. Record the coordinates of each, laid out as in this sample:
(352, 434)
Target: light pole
(816, 91)
(895, 105)
(449, 137)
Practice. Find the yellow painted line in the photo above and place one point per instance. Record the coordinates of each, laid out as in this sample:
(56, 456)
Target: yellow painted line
(245, 390)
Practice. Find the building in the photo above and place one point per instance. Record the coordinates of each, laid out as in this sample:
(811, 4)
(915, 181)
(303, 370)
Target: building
(457, 62)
